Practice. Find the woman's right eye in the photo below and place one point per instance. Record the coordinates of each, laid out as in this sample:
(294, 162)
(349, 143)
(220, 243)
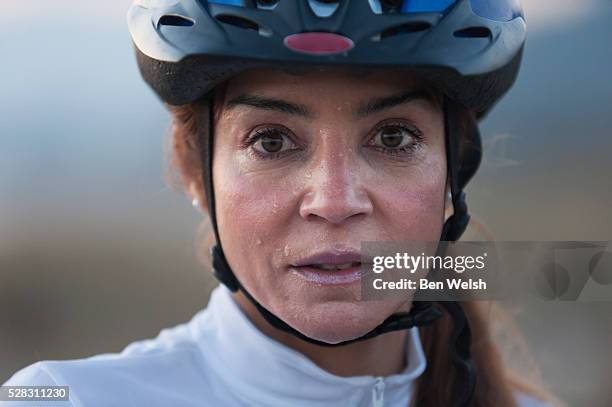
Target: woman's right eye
(270, 143)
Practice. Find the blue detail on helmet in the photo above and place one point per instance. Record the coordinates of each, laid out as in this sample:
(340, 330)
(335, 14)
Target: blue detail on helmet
(228, 2)
(498, 10)
(426, 6)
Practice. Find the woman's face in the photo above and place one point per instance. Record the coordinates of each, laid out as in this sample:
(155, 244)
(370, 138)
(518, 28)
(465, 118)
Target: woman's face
(307, 167)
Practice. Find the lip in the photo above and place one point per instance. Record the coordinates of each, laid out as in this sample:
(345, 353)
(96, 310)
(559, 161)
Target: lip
(328, 278)
(304, 268)
(330, 257)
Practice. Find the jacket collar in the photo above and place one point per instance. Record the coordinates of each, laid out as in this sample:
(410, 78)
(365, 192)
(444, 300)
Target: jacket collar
(267, 372)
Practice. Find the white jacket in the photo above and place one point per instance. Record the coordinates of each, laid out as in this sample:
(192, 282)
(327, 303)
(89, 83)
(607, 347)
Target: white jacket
(218, 358)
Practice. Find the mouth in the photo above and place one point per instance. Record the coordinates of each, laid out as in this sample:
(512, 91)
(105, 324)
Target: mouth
(329, 268)
(334, 267)
(329, 276)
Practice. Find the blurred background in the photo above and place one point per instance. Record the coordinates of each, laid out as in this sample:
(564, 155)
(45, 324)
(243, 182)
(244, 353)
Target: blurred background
(97, 250)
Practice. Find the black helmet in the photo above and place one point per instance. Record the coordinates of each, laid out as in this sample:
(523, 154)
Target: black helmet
(470, 49)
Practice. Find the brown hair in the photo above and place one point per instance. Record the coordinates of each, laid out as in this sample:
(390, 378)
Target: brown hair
(495, 386)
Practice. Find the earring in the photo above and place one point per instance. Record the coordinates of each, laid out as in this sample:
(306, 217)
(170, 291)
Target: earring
(195, 202)
(449, 195)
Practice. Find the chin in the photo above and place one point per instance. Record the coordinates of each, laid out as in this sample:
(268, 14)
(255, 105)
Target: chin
(335, 322)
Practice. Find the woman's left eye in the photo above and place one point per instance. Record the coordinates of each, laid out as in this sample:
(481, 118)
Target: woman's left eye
(396, 138)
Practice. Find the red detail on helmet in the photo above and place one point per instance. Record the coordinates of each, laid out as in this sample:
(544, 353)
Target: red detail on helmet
(318, 43)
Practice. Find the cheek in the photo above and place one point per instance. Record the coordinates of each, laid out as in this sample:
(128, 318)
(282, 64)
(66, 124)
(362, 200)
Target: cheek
(413, 208)
(252, 214)
(245, 210)
(252, 204)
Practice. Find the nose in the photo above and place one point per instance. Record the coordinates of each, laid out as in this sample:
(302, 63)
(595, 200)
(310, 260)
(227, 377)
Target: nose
(335, 191)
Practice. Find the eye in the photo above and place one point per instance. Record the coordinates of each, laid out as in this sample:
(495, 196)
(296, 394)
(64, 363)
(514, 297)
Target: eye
(271, 142)
(396, 138)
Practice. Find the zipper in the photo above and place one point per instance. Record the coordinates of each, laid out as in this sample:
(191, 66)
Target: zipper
(378, 393)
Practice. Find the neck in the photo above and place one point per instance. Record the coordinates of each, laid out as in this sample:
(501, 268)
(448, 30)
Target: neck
(383, 355)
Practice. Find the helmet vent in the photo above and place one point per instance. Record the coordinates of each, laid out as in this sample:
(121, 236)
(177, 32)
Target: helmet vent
(391, 6)
(267, 4)
(324, 8)
(244, 23)
(175, 20)
(237, 21)
(473, 32)
(408, 28)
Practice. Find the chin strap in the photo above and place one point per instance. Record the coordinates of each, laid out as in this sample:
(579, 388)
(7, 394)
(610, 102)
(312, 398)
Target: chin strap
(461, 336)
(422, 313)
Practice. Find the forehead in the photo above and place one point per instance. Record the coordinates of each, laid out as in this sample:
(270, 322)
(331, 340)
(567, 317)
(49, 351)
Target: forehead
(324, 83)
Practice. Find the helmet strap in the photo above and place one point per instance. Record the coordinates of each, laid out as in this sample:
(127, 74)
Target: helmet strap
(461, 337)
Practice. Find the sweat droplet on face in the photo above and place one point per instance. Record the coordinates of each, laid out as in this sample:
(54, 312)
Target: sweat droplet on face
(274, 204)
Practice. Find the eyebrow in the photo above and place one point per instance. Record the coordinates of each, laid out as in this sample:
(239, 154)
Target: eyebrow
(387, 102)
(369, 108)
(270, 104)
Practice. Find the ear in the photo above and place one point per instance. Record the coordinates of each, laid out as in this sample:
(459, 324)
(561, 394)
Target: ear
(198, 198)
